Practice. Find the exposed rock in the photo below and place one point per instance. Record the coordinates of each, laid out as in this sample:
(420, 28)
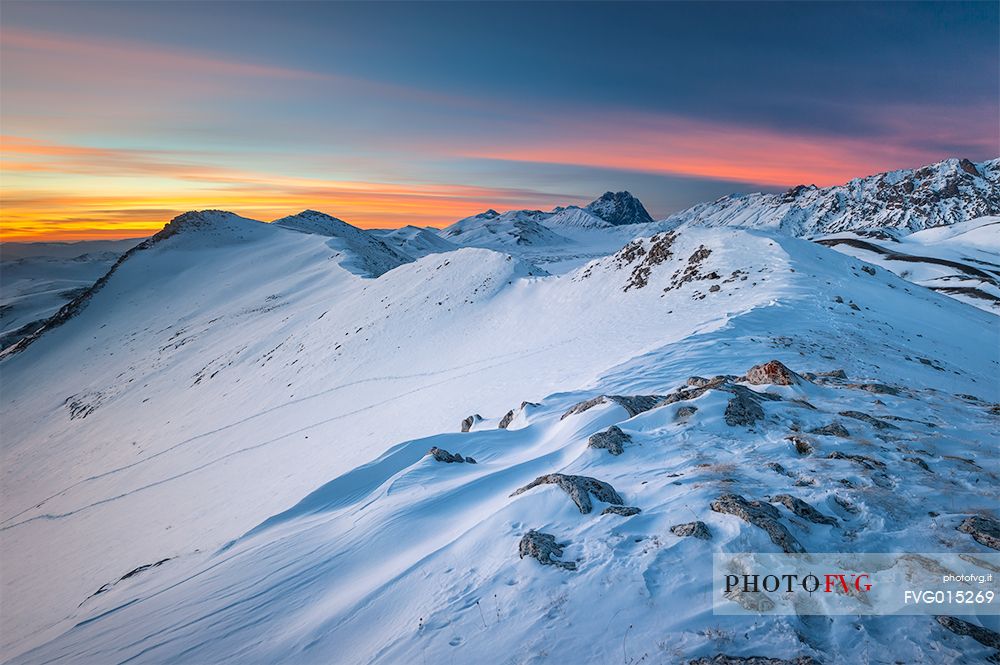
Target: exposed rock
(864, 417)
(919, 462)
(702, 382)
(833, 429)
(743, 408)
(527, 404)
(612, 439)
(761, 515)
(696, 529)
(846, 504)
(506, 420)
(877, 388)
(803, 509)
(441, 455)
(777, 468)
(774, 373)
(985, 530)
(633, 404)
(624, 511)
(984, 636)
(835, 374)
(863, 460)
(543, 546)
(579, 489)
(723, 659)
(470, 421)
(802, 447)
(132, 573)
(685, 412)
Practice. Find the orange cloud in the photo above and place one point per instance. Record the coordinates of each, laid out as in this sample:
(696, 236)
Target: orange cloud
(48, 192)
(678, 146)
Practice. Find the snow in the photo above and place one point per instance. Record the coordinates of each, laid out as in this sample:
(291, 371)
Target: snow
(908, 200)
(260, 414)
(961, 260)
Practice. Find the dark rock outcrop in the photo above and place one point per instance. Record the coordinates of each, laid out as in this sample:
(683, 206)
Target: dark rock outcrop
(685, 412)
(624, 511)
(761, 515)
(543, 546)
(579, 488)
(696, 529)
(612, 439)
(744, 408)
(864, 417)
(633, 404)
(803, 509)
(833, 429)
(506, 420)
(470, 421)
(863, 460)
(441, 455)
(984, 636)
(984, 530)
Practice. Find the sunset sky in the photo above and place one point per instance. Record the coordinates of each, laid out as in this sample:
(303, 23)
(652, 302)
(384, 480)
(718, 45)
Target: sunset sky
(116, 117)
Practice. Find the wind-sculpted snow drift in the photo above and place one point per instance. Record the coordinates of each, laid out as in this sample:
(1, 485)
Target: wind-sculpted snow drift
(202, 460)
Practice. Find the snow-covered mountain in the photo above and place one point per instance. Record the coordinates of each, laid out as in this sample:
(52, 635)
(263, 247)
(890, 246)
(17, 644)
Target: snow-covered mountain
(961, 260)
(414, 241)
(948, 192)
(236, 449)
(512, 229)
(362, 253)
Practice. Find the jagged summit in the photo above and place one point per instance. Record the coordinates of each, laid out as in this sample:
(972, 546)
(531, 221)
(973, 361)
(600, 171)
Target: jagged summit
(947, 192)
(619, 208)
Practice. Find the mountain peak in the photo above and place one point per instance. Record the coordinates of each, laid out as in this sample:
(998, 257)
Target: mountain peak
(619, 208)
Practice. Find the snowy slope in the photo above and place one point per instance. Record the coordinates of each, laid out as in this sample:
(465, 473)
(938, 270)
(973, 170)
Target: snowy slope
(961, 260)
(503, 231)
(36, 279)
(947, 192)
(363, 254)
(413, 240)
(192, 373)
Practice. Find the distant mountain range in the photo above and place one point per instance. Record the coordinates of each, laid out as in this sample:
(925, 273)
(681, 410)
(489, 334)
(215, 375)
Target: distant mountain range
(948, 192)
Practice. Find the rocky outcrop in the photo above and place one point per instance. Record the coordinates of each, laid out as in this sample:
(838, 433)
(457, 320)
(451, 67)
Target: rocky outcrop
(506, 420)
(612, 439)
(772, 373)
(984, 530)
(692, 530)
(633, 404)
(543, 546)
(579, 488)
(761, 515)
(803, 509)
(685, 412)
(833, 429)
(863, 460)
(441, 455)
(624, 511)
(744, 408)
(984, 636)
(871, 420)
(876, 388)
(470, 421)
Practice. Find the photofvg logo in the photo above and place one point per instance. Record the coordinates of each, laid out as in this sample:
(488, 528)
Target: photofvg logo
(856, 583)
